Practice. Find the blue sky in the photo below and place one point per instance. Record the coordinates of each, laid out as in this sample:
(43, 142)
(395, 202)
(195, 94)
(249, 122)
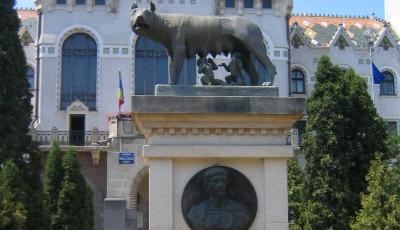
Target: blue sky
(340, 7)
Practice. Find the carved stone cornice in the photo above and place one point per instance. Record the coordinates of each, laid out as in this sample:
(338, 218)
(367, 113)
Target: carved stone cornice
(214, 124)
(217, 131)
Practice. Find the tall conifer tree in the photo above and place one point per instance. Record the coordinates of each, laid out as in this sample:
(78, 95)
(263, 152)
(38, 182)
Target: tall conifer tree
(381, 203)
(342, 136)
(15, 97)
(16, 111)
(54, 174)
(13, 197)
(73, 211)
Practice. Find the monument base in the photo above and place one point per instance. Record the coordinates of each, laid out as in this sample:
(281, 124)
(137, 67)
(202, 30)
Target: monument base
(227, 90)
(187, 134)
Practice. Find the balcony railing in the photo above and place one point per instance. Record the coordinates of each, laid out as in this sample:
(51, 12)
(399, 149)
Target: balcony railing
(76, 138)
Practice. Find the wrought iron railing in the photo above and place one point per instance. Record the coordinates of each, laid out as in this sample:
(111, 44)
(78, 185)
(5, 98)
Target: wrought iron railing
(77, 138)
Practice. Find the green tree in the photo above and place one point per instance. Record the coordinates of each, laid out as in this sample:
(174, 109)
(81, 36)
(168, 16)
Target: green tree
(295, 192)
(13, 197)
(15, 97)
(54, 174)
(72, 206)
(16, 110)
(344, 131)
(381, 203)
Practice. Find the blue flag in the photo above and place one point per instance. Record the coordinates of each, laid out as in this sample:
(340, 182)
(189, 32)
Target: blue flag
(378, 76)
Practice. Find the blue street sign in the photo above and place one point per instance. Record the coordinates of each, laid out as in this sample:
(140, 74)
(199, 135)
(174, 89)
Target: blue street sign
(126, 158)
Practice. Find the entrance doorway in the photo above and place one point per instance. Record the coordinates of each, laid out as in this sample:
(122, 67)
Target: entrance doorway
(77, 129)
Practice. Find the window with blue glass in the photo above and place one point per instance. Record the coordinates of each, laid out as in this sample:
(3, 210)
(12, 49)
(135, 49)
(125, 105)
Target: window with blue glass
(387, 86)
(100, 2)
(297, 82)
(61, 1)
(80, 2)
(79, 71)
(248, 3)
(262, 73)
(30, 75)
(267, 4)
(230, 3)
(151, 67)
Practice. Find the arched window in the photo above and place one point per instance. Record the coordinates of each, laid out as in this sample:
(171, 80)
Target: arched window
(229, 3)
(387, 86)
(30, 75)
(248, 4)
(151, 67)
(79, 71)
(267, 4)
(297, 82)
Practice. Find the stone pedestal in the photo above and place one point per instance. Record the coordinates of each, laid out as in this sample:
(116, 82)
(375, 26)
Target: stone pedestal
(187, 134)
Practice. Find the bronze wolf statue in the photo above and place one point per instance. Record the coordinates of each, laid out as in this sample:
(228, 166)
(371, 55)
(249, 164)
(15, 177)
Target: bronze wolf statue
(184, 36)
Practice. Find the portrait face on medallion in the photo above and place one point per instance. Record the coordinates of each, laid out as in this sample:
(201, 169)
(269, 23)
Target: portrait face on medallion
(219, 198)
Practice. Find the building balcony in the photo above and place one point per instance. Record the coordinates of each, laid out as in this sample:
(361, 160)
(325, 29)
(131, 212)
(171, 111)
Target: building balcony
(70, 138)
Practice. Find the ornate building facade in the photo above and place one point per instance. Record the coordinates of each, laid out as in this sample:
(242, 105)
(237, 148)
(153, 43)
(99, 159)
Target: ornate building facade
(75, 49)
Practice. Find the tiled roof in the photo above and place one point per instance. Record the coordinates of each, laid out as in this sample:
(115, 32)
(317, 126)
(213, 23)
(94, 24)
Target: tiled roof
(29, 21)
(320, 30)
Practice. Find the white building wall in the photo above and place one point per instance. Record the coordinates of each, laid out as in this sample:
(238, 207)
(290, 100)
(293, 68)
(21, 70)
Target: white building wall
(112, 32)
(307, 58)
(392, 9)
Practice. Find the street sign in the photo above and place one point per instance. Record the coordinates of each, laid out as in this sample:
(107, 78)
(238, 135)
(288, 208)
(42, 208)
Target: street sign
(126, 158)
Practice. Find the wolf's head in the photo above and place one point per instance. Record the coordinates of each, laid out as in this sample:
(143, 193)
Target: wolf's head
(142, 19)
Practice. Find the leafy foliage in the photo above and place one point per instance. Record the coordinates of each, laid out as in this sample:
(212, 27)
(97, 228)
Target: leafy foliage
(73, 207)
(342, 136)
(13, 197)
(53, 180)
(15, 97)
(381, 202)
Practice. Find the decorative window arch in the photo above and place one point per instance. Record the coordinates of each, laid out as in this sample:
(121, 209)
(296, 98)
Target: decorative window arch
(387, 86)
(297, 81)
(30, 75)
(78, 70)
(151, 67)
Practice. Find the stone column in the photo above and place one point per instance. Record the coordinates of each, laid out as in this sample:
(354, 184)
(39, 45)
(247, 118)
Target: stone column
(161, 193)
(240, 7)
(259, 7)
(276, 194)
(54, 135)
(70, 4)
(89, 5)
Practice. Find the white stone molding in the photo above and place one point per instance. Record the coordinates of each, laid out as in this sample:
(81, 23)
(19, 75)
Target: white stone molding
(112, 5)
(240, 7)
(297, 30)
(306, 72)
(282, 7)
(259, 7)
(132, 201)
(77, 107)
(70, 5)
(217, 131)
(269, 45)
(341, 31)
(386, 33)
(90, 5)
(395, 73)
(60, 41)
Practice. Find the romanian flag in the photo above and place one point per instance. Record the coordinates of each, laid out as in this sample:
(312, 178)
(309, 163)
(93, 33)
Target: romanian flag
(120, 92)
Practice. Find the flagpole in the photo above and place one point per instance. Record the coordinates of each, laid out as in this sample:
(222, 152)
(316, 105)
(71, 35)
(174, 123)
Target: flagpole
(372, 72)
